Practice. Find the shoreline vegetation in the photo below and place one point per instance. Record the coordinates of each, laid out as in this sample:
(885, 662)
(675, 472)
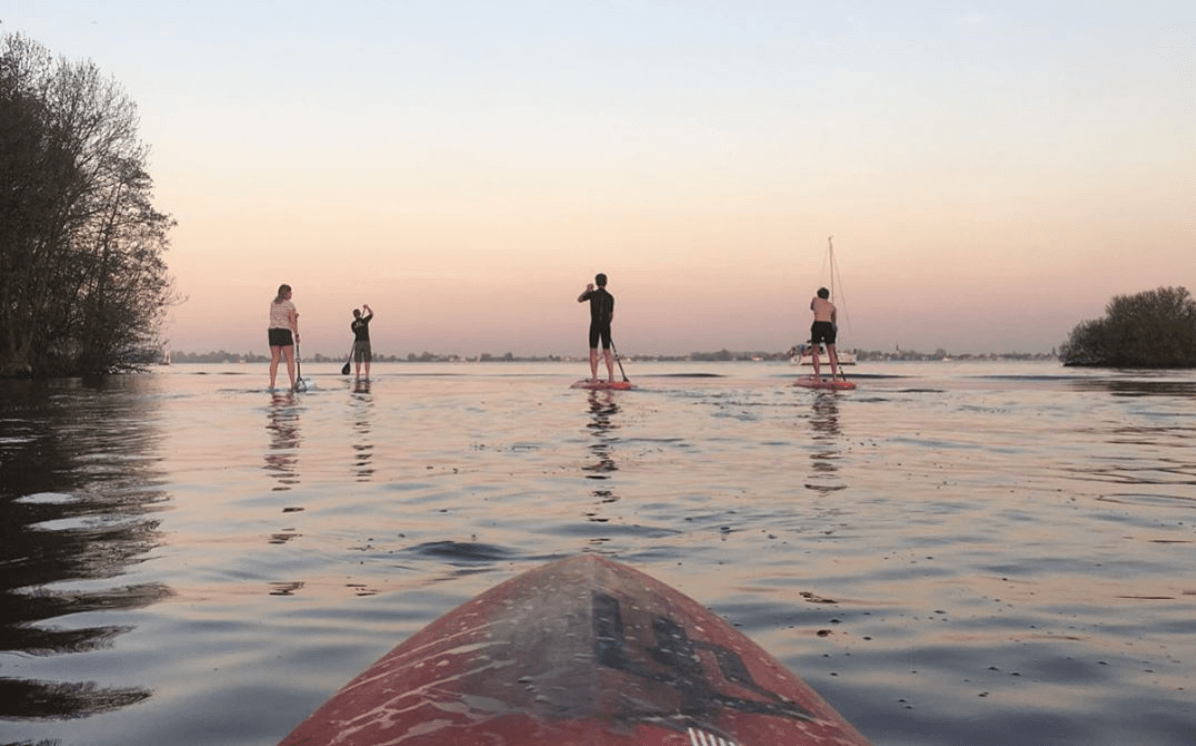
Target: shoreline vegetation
(84, 284)
(1152, 329)
(223, 357)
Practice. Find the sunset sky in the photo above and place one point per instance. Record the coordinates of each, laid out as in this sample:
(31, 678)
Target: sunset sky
(992, 172)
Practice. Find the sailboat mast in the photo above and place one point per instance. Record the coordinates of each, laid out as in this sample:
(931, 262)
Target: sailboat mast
(830, 242)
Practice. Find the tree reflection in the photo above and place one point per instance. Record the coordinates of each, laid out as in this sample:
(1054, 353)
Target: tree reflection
(59, 700)
(78, 487)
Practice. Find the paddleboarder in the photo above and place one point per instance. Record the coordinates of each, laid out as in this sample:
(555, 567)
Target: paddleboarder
(361, 337)
(602, 312)
(823, 332)
(283, 334)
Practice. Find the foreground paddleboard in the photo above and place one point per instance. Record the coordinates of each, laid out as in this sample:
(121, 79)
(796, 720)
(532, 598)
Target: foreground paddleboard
(586, 652)
(809, 382)
(586, 383)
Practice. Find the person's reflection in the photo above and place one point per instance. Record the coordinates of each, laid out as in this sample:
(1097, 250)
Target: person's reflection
(602, 407)
(363, 417)
(825, 454)
(282, 457)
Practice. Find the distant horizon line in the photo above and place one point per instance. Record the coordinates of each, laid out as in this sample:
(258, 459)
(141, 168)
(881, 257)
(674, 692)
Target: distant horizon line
(723, 355)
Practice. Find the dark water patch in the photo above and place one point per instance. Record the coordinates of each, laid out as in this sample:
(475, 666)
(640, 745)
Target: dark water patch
(852, 375)
(608, 530)
(459, 552)
(916, 391)
(1041, 378)
(917, 720)
(1136, 387)
(945, 445)
(1147, 500)
(77, 489)
(1043, 663)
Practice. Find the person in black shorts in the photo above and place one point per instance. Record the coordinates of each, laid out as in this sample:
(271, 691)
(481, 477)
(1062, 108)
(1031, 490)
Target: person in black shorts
(283, 334)
(602, 312)
(361, 338)
(822, 331)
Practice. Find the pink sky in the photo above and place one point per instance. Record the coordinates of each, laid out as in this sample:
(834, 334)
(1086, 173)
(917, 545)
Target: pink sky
(991, 178)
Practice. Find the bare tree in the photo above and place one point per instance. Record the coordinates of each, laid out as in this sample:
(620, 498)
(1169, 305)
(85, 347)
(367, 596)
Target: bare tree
(83, 282)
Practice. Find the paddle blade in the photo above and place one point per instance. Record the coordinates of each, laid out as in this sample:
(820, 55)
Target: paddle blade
(345, 369)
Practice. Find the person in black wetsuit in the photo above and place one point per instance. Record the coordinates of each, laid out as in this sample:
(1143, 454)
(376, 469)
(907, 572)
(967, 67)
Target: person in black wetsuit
(361, 338)
(602, 312)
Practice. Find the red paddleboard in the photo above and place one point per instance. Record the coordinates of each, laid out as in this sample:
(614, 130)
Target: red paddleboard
(585, 652)
(810, 382)
(586, 383)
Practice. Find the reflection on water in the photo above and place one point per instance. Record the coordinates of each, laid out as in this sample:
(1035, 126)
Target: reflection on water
(1136, 387)
(603, 407)
(78, 487)
(363, 416)
(1150, 460)
(976, 560)
(282, 458)
(824, 422)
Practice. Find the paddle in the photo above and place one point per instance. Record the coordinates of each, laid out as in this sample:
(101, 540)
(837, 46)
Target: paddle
(345, 368)
(299, 384)
(617, 360)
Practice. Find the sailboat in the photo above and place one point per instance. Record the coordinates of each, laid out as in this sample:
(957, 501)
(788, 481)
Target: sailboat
(803, 354)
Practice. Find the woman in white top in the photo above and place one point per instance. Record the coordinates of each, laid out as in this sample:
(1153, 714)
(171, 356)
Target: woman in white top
(284, 321)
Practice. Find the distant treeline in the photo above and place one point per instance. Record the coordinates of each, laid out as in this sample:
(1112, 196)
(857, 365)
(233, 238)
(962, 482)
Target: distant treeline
(721, 356)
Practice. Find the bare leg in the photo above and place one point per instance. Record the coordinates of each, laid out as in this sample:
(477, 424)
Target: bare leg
(834, 356)
(593, 363)
(814, 352)
(289, 353)
(610, 365)
(275, 356)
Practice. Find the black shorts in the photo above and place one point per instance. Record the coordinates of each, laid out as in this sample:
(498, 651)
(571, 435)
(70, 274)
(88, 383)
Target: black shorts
(822, 332)
(599, 331)
(280, 337)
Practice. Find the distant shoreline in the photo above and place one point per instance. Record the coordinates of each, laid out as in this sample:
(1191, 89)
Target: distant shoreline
(183, 358)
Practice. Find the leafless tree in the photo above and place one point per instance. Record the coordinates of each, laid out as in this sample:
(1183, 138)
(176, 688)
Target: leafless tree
(83, 282)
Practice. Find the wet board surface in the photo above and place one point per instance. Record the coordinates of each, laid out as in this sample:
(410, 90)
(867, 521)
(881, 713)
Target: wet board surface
(809, 382)
(581, 651)
(586, 383)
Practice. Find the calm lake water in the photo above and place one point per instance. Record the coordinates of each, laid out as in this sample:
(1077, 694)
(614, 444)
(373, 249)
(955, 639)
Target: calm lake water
(954, 553)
